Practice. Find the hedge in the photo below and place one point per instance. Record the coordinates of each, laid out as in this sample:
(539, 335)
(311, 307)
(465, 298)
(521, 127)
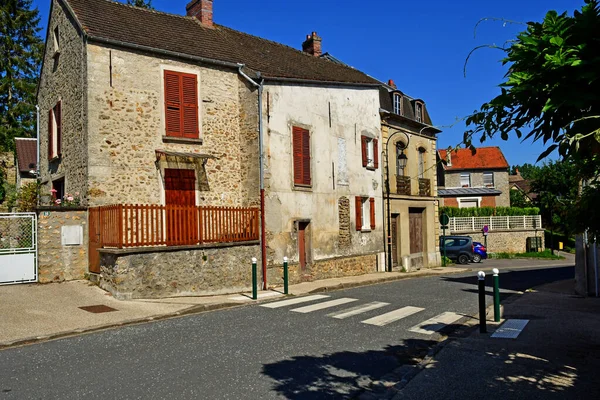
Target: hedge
(489, 211)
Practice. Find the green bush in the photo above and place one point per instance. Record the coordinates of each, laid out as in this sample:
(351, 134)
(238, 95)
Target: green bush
(489, 211)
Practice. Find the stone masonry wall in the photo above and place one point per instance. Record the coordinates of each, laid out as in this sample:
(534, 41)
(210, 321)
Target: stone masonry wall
(56, 262)
(513, 241)
(345, 239)
(63, 79)
(189, 272)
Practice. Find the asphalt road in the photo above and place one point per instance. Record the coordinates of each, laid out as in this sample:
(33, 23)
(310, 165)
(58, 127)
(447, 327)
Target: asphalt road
(251, 352)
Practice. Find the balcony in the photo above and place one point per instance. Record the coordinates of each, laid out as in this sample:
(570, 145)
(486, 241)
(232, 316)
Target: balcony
(403, 185)
(424, 187)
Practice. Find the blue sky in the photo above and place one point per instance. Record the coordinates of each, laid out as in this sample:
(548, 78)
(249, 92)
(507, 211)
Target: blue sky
(421, 45)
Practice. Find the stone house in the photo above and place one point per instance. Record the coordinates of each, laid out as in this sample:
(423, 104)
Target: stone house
(473, 180)
(140, 107)
(517, 182)
(409, 150)
(26, 156)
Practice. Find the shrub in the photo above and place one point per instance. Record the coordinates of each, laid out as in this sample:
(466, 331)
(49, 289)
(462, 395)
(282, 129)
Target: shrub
(489, 211)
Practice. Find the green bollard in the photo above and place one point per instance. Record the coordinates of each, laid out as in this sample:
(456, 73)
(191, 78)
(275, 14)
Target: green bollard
(285, 276)
(254, 280)
(496, 295)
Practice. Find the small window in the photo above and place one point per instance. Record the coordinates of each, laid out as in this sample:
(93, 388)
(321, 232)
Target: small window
(488, 179)
(421, 163)
(365, 213)
(419, 112)
(465, 179)
(181, 105)
(55, 131)
(58, 190)
(370, 155)
(399, 150)
(56, 38)
(468, 203)
(397, 104)
(301, 145)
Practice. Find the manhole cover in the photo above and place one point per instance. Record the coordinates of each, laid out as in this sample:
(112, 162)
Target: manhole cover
(98, 309)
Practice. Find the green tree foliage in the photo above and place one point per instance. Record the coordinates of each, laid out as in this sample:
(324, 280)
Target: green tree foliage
(141, 3)
(551, 86)
(488, 211)
(519, 199)
(526, 170)
(27, 197)
(20, 54)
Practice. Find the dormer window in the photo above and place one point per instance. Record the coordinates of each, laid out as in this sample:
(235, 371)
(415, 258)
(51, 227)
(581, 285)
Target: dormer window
(419, 112)
(397, 103)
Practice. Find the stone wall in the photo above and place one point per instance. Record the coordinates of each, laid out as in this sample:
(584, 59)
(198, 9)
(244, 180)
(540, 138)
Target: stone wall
(8, 168)
(57, 262)
(509, 241)
(345, 239)
(63, 79)
(162, 272)
(452, 180)
(323, 269)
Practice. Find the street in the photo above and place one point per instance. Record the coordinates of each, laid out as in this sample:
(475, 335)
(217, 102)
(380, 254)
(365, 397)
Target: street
(331, 346)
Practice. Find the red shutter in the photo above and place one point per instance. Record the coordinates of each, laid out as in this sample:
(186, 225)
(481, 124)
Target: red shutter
(358, 211)
(173, 106)
(58, 114)
(372, 205)
(375, 153)
(363, 145)
(305, 157)
(189, 84)
(50, 133)
(298, 159)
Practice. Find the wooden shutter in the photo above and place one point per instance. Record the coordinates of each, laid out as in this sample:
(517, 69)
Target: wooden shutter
(358, 211)
(372, 209)
(58, 114)
(50, 133)
(375, 153)
(301, 150)
(173, 106)
(189, 85)
(363, 145)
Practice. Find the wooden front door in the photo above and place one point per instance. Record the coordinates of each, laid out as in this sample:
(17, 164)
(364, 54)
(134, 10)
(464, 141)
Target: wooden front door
(394, 232)
(94, 240)
(416, 230)
(180, 201)
(302, 245)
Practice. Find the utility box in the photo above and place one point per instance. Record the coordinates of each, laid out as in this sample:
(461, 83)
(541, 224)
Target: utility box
(71, 235)
(533, 244)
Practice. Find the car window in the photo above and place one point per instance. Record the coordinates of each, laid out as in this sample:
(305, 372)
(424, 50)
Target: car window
(462, 242)
(448, 243)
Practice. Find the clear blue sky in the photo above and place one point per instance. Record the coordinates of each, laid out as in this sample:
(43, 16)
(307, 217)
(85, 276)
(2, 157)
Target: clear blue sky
(421, 45)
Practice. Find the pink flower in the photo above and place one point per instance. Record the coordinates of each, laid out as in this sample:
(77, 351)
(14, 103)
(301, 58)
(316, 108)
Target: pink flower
(57, 201)
(76, 193)
(53, 191)
(70, 198)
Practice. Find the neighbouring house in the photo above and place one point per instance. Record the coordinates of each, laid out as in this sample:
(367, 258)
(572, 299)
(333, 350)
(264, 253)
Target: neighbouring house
(473, 180)
(517, 182)
(157, 119)
(409, 151)
(26, 156)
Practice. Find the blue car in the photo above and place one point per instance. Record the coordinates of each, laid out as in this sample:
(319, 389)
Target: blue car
(479, 252)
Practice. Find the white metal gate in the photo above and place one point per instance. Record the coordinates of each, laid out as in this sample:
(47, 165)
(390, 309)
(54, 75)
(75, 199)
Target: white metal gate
(18, 248)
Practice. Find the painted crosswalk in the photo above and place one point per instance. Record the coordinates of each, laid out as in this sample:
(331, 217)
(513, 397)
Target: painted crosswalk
(436, 323)
(392, 316)
(321, 306)
(298, 300)
(350, 312)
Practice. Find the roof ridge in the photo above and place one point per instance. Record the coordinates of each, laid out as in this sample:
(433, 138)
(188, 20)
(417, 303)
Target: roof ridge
(150, 10)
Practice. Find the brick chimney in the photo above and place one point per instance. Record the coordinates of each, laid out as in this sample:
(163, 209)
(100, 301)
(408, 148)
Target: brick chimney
(312, 45)
(391, 83)
(202, 10)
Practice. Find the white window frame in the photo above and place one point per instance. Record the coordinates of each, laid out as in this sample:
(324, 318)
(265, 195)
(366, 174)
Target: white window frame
(464, 200)
(365, 214)
(419, 112)
(397, 103)
(488, 185)
(467, 175)
(56, 39)
(370, 153)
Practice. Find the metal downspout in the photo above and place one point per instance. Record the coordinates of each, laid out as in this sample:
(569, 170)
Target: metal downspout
(596, 265)
(37, 165)
(263, 242)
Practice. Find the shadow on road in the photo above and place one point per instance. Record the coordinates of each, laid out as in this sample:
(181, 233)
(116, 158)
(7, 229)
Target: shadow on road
(342, 374)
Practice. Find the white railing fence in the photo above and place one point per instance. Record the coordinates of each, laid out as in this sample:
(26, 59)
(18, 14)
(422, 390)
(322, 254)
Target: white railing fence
(462, 224)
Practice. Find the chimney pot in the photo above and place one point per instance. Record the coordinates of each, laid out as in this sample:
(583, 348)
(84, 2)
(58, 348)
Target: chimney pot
(312, 45)
(392, 84)
(202, 10)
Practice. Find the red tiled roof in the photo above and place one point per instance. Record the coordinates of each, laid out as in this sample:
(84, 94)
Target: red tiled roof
(484, 158)
(117, 22)
(26, 154)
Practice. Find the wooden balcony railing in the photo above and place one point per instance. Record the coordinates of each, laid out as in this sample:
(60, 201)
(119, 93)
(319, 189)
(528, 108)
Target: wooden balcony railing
(424, 187)
(403, 185)
(133, 225)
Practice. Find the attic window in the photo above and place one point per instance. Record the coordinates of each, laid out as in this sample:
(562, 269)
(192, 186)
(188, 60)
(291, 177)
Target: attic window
(397, 104)
(419, 112)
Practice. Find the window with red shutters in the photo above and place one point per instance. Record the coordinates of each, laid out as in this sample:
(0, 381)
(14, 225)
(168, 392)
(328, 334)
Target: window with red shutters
(372, 208)
(358, 212)
(50, 134)
(181, 104)
(55, 131)
(369, 151)
(301, 149)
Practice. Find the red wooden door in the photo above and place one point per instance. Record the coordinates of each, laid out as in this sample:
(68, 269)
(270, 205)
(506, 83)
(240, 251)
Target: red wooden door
(416, 230)
(180, 200)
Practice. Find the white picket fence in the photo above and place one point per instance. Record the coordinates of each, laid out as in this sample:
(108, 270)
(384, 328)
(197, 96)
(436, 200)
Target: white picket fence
(464, 224)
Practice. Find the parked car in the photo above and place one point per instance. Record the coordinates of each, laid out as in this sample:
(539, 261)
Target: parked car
(479, 252)
(458, 248)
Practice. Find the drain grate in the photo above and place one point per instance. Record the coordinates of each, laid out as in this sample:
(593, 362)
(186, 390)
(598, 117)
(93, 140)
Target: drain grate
(511, 329)
(97, 309)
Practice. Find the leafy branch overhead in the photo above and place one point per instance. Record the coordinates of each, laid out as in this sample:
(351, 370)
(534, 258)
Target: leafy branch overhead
(552, 90)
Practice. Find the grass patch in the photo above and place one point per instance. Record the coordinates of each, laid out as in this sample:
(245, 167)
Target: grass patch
(546, 254)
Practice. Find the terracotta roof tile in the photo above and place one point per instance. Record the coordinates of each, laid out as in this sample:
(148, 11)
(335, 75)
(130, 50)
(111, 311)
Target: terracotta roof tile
(104, 19)
(26, 154)
(484, 158)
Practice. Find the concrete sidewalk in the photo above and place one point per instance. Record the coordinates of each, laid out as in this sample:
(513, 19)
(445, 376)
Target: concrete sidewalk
(556, 356)
(34, 312)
